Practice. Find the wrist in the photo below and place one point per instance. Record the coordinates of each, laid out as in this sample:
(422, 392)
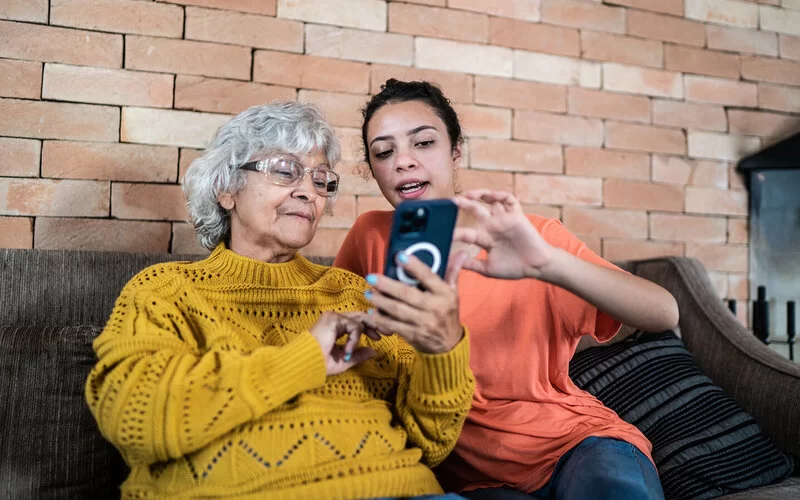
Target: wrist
(552, 269)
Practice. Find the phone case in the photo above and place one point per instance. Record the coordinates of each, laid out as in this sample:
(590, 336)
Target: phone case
(423, 228)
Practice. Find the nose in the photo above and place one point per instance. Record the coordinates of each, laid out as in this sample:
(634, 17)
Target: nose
(305, 190)
(405, 160)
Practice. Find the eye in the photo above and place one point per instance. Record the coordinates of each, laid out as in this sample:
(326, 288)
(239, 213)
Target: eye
(425, 143)
(383, 154)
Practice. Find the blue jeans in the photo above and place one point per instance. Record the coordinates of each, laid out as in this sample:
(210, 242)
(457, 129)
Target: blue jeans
(598, 468)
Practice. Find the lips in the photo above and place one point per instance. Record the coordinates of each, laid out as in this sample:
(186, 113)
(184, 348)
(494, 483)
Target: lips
(299, 213)
(412, 188)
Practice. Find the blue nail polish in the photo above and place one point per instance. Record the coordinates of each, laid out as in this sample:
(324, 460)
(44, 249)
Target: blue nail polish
(402, 257)
(371, 312)
(368, 294)
(348, 356)
(372, 279)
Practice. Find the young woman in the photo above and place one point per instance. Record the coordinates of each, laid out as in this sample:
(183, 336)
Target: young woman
(529, 292)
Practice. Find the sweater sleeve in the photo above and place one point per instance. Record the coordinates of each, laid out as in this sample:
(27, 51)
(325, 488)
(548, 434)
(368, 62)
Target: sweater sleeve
(168, 383)
(434, 397)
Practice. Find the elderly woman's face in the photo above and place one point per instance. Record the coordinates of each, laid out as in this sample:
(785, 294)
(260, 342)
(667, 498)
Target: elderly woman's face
(272, 220)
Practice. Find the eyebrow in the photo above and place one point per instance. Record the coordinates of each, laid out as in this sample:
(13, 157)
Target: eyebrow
(410, 132)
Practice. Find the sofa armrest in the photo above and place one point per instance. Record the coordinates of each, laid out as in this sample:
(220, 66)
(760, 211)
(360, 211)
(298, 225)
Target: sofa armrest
(764, 383)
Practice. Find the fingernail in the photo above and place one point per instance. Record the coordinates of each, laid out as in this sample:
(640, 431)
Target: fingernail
(371, 312)
(368, 294)
(402, 257)
(348, 356)
(372, 279)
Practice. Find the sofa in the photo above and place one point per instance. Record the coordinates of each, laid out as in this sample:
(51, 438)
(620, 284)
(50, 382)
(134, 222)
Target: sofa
(53, 303)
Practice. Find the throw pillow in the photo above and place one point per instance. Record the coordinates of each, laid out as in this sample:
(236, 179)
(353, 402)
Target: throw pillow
(50, 446)
(704, 444)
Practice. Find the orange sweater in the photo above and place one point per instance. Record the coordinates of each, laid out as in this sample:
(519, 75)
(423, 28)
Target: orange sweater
(526, 412)
(210, 384)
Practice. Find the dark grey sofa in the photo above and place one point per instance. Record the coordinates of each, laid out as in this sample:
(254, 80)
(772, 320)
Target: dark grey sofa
(53, 304)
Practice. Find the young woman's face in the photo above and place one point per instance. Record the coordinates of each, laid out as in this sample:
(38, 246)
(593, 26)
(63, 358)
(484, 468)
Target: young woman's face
(410, 152)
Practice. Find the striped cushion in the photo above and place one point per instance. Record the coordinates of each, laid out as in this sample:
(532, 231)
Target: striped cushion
(704, 444)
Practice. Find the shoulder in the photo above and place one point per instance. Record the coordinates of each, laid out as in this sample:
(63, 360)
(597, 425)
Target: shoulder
(375, 221)
(164, 276)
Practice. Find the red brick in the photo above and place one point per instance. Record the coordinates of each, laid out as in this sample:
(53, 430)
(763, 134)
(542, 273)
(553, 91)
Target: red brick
(326, 242)
(109, 161)
(599, 104)
(311, 72)
(558, 129)
(20, 79)
(344, 213)
(370, 203)
(225, 96)
(606, 163)
(785, 21)
(721, 146)
(720, 283)
(558, 189)
(719, 257)
(645, 138)
(679, 170)
(184, 240)
(359, 14)
(339, 109)
(352, 144)
(456, 86)
(622, 49)
(546, 211)
(666, 28)
(771, 70)
(515, 156)
(720, 91)
(16, 232)
(729, 12)
(735, 179)
(439, 23)
(688, 115)
(266, 7)
(20, 157)
(519, 94)
(187, 57)
(593, 243)
(688, 228)
(359, 45)
(742, 40)
(583, 15)
(642, 196)
(674, 7)
(606, 222)
(467, 178)
(435, 3)
(148, 201)
(738, 286)
(528, 10)
(535, 37)
(187, 156)
(779, 98)
(790, 47)
(352, 182)
(636, 80)
(484, 121)
(101, 234)
(236, 28)
(561, 70)
(738, 231)
(48, 43)
(446, 55)
(621, 250)
(53, 197)
(704, 62)
(762, 124)
(169, 127)
(34, 11)
(119, 16)
(51, 120)
(106, 86)
(702, 200)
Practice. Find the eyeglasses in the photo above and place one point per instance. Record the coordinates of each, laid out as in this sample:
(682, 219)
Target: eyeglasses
(286, 172)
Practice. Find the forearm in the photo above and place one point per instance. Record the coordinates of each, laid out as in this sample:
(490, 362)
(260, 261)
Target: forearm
(627, 298)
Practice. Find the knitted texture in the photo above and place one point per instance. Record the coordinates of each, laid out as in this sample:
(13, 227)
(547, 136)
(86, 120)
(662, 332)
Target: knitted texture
(210, 384)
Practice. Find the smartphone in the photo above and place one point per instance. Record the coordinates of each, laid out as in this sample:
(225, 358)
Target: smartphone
(423, 228)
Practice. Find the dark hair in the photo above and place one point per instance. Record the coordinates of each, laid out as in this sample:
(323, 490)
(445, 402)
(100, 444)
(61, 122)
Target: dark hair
(394, 91)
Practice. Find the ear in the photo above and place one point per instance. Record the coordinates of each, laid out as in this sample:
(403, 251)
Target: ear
(456, 154)
(226, 200)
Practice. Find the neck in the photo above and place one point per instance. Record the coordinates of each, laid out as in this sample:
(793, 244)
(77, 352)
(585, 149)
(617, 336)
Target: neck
(271, 254)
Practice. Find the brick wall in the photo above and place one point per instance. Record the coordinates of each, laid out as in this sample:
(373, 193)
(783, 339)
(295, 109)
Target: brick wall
(623, 117)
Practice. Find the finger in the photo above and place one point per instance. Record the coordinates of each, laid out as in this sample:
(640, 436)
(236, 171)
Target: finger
(502, 200)
(417, 269)
(472, 207)
(360, 355)
(480, 266)
(474, 236)
(457, 261)
(387, 323)
(351, 344)
(390, 306)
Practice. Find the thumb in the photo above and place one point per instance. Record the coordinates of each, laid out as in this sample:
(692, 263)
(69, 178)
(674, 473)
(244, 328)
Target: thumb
(457, 261)
(480, 266)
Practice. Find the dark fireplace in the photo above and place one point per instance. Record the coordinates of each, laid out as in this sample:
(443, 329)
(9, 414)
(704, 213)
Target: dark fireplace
(773, 178)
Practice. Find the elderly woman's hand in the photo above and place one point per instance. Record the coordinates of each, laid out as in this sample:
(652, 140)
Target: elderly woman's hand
(427, 319)
(328, 328)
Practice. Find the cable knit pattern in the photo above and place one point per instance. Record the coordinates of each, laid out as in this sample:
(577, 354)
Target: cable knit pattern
(210, 384)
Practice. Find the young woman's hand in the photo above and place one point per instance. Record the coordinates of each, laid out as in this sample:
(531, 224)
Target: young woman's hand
(427, 319)
(514, 248)
(328, 328)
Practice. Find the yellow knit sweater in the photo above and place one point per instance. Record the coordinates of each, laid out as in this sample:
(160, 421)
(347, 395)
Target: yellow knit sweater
(210, 384)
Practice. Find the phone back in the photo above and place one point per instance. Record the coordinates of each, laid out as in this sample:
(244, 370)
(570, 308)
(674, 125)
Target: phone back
(423, 228)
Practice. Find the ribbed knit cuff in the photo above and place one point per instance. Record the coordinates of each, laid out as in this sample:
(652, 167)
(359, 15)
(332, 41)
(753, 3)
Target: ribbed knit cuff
(273, 377)
(443, 373)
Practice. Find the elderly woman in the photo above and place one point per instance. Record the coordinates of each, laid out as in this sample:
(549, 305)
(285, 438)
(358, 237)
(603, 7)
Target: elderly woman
(246, 374)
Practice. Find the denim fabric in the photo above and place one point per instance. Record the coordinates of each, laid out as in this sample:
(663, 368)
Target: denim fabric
(598, 468)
